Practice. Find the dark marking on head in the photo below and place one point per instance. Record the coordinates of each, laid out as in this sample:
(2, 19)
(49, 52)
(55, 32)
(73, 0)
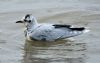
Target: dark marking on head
(29, 21)
(28, 15)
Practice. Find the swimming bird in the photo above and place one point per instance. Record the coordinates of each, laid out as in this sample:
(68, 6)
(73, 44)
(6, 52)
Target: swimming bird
(48, 32)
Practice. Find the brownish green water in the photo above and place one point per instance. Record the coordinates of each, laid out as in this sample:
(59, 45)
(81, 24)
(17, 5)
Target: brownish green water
(83, 49)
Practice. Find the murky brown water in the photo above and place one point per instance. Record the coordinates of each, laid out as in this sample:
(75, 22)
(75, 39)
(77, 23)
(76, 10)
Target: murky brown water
(83, 49)
(56, 52)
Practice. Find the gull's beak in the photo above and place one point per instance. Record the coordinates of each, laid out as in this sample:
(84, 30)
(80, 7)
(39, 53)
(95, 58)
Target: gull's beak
(19, 21)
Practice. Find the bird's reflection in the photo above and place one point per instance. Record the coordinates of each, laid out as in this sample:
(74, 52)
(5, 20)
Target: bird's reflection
(54, 52)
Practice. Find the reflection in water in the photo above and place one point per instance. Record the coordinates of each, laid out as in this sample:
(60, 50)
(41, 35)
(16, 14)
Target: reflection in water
(54, 52)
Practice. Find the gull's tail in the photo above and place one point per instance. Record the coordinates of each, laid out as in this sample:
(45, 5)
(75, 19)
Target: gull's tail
(77, 31)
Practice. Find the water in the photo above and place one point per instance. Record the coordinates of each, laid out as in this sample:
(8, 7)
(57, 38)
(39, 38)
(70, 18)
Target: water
(56, 52)
(83, 49)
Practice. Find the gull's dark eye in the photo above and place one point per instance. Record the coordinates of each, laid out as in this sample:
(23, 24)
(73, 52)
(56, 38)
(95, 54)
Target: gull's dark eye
(25, 20)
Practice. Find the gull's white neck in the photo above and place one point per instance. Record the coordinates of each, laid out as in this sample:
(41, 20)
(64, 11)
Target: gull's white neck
(33, 24)
(34, 21)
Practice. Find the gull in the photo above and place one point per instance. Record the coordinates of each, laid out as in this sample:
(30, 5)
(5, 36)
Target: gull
(48, 32)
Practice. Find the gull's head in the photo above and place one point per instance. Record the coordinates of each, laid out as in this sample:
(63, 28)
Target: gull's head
(28, 19)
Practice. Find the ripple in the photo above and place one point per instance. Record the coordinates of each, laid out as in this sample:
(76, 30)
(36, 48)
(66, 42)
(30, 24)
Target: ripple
(52, 52)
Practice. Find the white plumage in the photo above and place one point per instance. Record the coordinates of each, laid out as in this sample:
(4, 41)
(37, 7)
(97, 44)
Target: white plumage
(48, 32)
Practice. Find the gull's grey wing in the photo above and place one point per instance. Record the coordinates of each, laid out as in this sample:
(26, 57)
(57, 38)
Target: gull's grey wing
(66, 31)
(53, 32)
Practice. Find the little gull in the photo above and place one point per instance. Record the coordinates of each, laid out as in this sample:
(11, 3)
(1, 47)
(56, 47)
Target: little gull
(48, 32)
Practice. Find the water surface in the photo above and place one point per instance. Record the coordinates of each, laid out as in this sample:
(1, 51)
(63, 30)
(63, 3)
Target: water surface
(83, 49)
